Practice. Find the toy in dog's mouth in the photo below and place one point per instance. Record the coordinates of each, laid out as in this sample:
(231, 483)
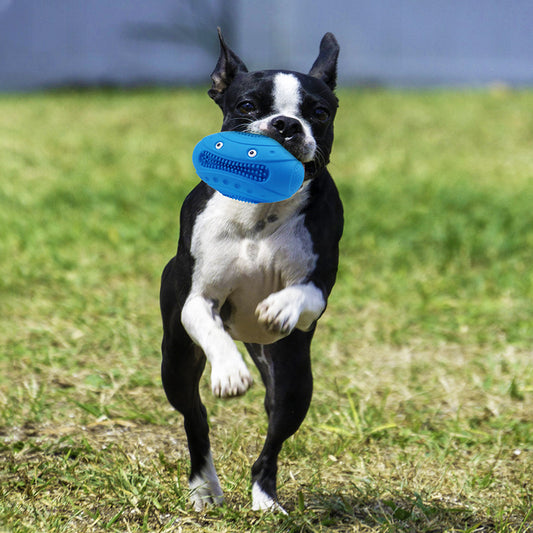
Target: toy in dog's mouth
(248, 167)
(301, 151)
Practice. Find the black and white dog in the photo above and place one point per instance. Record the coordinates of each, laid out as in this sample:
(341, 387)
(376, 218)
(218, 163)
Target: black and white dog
(256, 273)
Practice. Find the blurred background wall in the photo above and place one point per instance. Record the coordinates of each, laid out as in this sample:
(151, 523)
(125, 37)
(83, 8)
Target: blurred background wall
(57, 43)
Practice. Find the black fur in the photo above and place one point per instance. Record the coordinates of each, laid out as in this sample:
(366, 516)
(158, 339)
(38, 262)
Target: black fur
(285, 365)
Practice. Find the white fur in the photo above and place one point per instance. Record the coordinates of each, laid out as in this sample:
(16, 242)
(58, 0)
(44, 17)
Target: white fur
(297, 306)
(263, 502)
(205, 487)
(287, 97)
(229, 374)
(260, 270)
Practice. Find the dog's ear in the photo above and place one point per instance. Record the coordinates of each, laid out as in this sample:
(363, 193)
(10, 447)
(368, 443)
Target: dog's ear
(228, 66)
(325, 66)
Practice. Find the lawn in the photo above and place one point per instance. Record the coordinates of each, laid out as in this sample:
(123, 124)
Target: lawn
(422, 415)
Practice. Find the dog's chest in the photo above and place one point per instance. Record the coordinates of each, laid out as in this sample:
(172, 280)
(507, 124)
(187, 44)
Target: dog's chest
(244, 252)
(236, 244)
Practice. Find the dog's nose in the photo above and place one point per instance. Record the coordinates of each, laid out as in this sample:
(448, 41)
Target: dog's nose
(287, 127)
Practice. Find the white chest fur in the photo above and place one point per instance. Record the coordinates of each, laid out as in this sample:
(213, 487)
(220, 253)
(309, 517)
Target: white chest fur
(245, 252)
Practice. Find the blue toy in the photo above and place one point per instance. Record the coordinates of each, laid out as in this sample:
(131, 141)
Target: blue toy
(248, 167)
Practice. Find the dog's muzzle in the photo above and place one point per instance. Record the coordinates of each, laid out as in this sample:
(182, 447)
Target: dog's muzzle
(290, 132)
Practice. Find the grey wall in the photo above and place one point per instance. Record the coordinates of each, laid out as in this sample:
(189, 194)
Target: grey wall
(406, 42)
(48, 43)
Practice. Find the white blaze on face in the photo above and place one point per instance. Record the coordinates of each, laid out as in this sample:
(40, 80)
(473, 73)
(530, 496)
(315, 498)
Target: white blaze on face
(287, 100)
(287, 97)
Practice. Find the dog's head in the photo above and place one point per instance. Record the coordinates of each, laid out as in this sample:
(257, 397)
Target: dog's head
(295, 109)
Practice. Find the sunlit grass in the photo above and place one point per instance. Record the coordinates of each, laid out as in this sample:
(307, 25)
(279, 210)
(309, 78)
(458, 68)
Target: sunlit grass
(422, 417)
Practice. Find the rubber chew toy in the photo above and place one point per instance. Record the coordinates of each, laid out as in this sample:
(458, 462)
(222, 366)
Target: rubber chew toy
(248, 167)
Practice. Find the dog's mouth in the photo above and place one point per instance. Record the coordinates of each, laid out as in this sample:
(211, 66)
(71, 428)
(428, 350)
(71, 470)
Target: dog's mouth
(304, 151)
(301, 148)
(311, 169)
(300, 145)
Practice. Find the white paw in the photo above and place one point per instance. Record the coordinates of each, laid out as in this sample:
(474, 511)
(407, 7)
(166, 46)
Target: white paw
(204, 496)
(263, 502)
(205, 487)
(230, 377)
(279, 312)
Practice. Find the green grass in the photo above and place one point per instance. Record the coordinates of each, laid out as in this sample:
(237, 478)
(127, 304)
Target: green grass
(422, 416)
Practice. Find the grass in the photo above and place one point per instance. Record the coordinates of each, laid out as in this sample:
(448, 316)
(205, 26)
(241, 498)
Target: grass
(422, 417)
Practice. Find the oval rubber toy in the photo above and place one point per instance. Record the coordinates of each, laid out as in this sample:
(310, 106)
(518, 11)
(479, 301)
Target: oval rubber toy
(248, 167)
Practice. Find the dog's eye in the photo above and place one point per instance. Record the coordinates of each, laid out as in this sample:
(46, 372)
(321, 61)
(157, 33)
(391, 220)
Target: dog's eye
(246, 107)
(321, 114)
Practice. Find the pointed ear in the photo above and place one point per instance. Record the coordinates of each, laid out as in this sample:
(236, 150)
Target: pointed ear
(228, 66)
(325, 66)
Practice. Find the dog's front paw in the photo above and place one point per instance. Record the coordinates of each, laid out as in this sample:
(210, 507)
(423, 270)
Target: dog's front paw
(279, 313)
(230, 378)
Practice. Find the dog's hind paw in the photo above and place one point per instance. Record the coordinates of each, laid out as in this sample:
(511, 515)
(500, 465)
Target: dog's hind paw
(203, 497)
(230, 378)
(261, 501)
(205, 487)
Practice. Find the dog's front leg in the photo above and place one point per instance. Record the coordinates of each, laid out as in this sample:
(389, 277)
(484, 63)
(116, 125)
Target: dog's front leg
(297, 306)
(229, 374)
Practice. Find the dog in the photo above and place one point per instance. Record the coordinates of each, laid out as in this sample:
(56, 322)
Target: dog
(256, 273)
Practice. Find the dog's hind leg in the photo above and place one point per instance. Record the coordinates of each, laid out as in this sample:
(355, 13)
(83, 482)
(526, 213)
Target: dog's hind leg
(181, 370)
(285, 368)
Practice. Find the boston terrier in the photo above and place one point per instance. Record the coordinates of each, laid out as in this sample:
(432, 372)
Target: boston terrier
(256, 273)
